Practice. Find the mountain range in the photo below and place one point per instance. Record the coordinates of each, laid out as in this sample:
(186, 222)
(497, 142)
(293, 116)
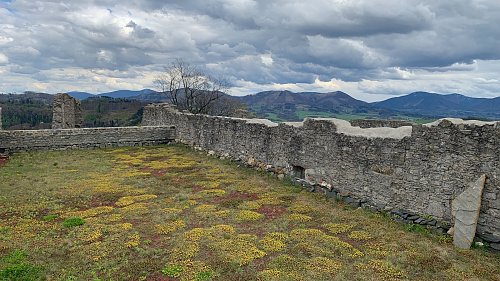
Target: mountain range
(286, 105)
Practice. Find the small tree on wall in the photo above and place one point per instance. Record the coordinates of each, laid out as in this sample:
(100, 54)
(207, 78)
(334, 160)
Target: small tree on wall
(190, 88)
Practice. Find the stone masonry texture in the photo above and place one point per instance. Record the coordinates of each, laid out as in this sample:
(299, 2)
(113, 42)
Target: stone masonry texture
(23, 140)
(421, 171)
(66, 112)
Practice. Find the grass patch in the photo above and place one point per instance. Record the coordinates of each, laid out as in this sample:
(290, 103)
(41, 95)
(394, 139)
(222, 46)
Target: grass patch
(171, 213)
(74, 221)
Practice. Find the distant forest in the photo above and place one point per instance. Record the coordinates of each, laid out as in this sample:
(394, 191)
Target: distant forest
(34, 111)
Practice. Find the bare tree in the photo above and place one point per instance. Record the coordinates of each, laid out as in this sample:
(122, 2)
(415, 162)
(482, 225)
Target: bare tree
(191, 89)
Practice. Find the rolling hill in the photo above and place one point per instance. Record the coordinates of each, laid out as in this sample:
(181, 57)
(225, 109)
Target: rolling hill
(438, 105)
(286, 105)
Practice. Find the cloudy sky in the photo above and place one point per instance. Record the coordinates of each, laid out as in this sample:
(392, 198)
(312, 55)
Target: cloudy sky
(371, 49)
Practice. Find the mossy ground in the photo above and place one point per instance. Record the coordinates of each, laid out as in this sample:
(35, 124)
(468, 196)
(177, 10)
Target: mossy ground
(169, 213)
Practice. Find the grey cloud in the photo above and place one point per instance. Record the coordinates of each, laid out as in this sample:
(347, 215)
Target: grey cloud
(352, 41)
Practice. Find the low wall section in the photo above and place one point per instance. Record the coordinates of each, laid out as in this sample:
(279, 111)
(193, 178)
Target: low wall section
(11, 141)
(418, 168)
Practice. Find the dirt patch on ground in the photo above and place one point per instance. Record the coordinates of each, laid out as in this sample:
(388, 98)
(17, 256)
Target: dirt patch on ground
(235, 198)
(3, 160)
(160, 277)
(271, 211)
(154, 172)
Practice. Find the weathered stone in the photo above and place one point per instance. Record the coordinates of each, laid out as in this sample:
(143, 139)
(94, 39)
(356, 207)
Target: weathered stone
(432, 222)
(414, 217)
(495, 246)
(465, 210)
(66, 112)
(490, 238)
(429, 165)
(22, 140)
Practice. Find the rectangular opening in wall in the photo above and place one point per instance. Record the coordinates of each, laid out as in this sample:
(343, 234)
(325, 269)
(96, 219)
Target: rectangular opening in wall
(299, 172)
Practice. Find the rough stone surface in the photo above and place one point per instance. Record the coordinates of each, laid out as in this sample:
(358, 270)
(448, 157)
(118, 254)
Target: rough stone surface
(24, 140)
(367, 123)
(465, 211)
(66, 112)
(419, 173)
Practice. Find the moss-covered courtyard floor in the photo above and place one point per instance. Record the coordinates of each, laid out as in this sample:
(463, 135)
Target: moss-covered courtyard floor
(170, 213)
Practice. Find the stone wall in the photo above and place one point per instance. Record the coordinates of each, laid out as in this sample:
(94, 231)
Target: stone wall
(415, 169)
(66, 112)
(22, 140)
(368, 123)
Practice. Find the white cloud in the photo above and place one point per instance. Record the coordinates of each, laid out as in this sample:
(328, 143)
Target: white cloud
(3, 59)
(371, 49)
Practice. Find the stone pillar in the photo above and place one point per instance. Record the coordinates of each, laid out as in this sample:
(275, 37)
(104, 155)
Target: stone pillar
(66, 112)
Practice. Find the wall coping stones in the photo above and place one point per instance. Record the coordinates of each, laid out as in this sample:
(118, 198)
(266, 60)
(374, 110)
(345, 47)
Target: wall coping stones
(458, 121)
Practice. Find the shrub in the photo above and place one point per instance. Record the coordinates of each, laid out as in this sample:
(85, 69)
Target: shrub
(18, 269)
(172, 270)
(50, 217)
(74, 221)
(204, 276)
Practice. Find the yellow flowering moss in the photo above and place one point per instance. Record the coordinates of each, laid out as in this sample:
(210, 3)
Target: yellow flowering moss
(128, 200)
(212, 192)
(300, 218)
(314, 239)
(126, 226)
(135, 209)
(195, 234)
(91, 212)
(301, 208)
(222, 229)
(360, 235)
(337, 228)
(130, 174)
(323, 264)
(171, 212)
(247, 215)
(384, 268)
(236, 250)
(133, 240)
(249, 205)
(184, 251)
(272, 245)
(278, 275)
(95, 251)
(93, 236)
(170, 227)
(205, 208)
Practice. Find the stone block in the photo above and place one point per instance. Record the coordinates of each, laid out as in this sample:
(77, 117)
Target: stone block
(465, 211)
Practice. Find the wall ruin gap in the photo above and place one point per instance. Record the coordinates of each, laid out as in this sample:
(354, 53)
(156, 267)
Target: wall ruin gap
(419, 168)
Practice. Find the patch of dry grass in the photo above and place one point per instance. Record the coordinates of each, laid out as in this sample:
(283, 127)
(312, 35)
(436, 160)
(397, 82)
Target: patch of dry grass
(169, 213)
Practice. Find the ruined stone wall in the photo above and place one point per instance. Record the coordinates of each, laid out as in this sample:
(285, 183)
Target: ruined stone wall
(367, 123)
(23, 140)
(419, 169)
(66, 112)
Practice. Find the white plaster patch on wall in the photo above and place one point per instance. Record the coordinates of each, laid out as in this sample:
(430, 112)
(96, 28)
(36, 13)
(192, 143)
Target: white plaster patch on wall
(344, 127)
(458, 121)
(266, 122)
(294, 124)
